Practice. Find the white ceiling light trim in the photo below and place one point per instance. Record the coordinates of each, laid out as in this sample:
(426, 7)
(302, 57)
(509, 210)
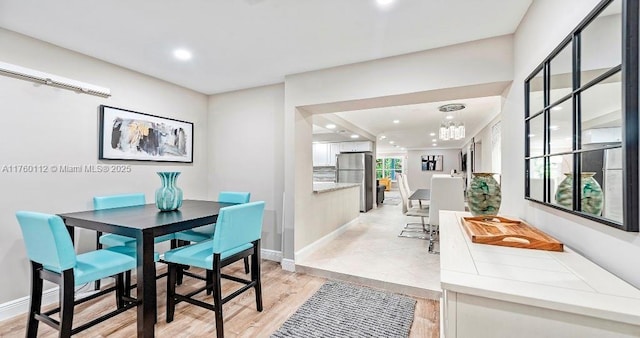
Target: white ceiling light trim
(52, 80)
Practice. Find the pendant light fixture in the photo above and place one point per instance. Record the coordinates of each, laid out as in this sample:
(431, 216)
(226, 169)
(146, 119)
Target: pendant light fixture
(450, 129)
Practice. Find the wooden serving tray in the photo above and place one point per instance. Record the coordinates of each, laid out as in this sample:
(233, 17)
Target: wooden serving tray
(508, 232)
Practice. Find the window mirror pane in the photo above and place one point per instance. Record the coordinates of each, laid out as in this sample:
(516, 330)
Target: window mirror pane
(561, 177)
(536, 136)
(561, 127)
(536, 96)
(601, 43)
(601, 112)
(536, 178)
(592, 165)
(561, 68)
(612, 181)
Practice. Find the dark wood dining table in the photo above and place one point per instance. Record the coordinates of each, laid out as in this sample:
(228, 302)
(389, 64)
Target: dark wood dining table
(144, 223)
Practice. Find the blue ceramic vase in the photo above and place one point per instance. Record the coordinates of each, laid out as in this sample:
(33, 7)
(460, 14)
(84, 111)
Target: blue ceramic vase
(168, 197)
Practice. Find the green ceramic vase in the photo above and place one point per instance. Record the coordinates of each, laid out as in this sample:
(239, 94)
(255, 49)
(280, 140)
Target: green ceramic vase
(484, 195)
(592, 197)
(168, 196)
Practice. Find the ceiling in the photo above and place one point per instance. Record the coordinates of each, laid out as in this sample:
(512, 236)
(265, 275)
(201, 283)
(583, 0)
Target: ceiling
(415, 124)
(247, 43)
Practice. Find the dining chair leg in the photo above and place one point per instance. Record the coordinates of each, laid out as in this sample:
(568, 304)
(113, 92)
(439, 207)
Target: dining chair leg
(127, 283)
(96, 284)
(171, 291)
(120, 287)
(66, 303)
(246, 265)
(209, 281)
(36, 300)
(217, 296)
(255, 275)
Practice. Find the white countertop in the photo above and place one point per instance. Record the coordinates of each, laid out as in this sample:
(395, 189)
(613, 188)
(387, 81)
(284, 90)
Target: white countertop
(320, 187)
(563, 281)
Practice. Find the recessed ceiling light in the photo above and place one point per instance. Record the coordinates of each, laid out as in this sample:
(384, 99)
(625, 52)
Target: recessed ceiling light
(182, 54)
(554, 127)
(403, 148)
(355, 136)
(396, 121)
(434, 140)
(434, 144)
(532, 135)
(384, 3)
(382, 137)
(556, 108)
(432, 134)
(391, 142)
(449, 117)
(330, 126)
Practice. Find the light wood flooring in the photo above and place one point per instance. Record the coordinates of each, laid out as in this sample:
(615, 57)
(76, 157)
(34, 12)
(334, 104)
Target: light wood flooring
(283, 293)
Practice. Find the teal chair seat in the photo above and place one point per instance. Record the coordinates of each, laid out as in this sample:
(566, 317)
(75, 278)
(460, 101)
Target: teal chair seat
(200, 254)
(236, 237)
(53, 258)
(119, 240)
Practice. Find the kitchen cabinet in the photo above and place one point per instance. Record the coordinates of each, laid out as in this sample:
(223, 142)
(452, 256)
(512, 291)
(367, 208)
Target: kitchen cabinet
(324, 154)
(351, 147)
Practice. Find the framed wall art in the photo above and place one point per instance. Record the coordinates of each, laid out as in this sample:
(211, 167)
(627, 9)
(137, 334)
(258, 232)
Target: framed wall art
(431, 162)
(135, 136)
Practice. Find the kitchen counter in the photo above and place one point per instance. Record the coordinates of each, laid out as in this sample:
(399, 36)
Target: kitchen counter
(320, 187)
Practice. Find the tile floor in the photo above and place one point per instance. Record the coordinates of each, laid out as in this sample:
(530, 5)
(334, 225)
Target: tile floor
(370, 252)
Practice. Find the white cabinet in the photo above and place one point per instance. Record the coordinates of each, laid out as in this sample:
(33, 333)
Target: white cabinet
(350, 147)
(495, 291)
(324, 154)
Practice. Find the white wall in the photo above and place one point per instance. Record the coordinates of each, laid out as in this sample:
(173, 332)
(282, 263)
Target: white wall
(52, 126)
(478, 62)
(419, 179)
(245, 151)
(546, 23)
(484, 137)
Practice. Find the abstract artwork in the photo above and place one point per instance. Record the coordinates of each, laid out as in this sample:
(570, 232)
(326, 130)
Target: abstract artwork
(431, 162)
(130, 135)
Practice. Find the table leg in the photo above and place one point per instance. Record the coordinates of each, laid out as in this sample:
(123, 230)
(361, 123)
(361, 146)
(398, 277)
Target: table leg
(146, 287)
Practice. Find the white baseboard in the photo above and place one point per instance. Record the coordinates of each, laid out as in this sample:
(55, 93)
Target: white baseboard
(288, 265)
(21, 305)
(271, 255)
(302, 253)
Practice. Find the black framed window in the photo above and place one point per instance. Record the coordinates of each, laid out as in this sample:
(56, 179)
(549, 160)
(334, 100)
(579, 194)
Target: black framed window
(581, 120)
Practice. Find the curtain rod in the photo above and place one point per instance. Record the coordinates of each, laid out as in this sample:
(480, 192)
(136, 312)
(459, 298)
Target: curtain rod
(52, 80)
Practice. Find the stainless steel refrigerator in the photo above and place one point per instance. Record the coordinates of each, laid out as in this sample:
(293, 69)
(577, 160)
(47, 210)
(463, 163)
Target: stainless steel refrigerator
(357, 168)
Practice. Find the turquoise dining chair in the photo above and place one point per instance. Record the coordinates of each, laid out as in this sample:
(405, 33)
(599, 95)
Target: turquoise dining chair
(111, 240)
(236, 236)
(204, 233)
(53, 258)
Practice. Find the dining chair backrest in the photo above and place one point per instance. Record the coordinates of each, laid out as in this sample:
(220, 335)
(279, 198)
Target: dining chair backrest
(238, 225)
(403, 195)
(405, 181)
(118, 201)
(47, 240)
(234, 197)
(447, 193)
